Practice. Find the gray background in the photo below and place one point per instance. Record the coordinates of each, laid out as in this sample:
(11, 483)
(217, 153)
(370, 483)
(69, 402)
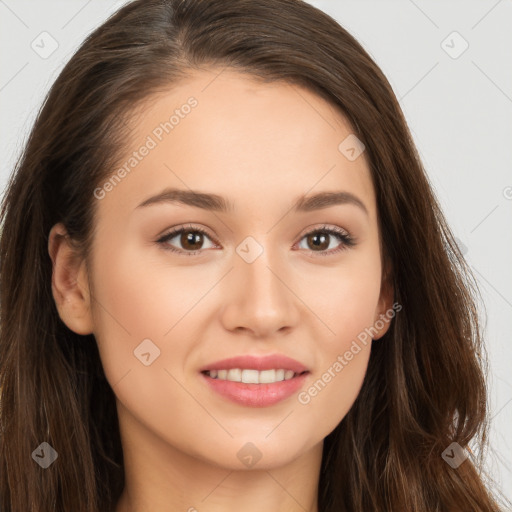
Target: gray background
(458, 105)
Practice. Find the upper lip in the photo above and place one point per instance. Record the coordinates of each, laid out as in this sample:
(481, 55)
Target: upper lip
(260, 363)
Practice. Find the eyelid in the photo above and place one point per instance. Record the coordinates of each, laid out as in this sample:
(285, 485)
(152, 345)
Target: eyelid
(324, 227)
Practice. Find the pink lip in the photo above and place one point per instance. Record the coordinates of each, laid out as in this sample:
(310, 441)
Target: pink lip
(256, 395)
(277, 361)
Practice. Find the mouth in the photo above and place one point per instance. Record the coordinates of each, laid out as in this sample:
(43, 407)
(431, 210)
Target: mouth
(253, 388)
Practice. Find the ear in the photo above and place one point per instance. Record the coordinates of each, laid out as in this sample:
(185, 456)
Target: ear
(70, 287)
(383, 316)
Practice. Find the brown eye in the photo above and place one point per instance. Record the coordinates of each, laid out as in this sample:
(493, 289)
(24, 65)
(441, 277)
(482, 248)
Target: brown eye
(190, 239)
(318, 240)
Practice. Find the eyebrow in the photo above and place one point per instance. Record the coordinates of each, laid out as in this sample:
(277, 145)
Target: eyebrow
(214, 202)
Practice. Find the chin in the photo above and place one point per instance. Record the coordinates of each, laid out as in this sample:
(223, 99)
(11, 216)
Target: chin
(257, 453)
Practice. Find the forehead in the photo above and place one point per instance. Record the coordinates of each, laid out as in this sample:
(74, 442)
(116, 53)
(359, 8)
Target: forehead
(224, 131)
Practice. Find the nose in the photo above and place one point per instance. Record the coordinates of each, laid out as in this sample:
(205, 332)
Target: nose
(259, 297)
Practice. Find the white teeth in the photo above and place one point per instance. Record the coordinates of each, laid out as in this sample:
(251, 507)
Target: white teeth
(267, 376)
(235, 374)
(252, 376)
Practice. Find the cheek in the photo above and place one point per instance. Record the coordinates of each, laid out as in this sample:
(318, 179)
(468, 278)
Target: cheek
(141, 297)
(344, 297)
(335, 385)
(347, 310)
(142, 305)
(133, 303)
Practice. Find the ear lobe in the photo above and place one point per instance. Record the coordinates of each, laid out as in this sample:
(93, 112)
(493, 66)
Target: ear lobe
(382, 320)
(69, 282)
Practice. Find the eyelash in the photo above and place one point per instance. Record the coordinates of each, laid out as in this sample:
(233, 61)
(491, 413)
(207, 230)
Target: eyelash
(346, 239)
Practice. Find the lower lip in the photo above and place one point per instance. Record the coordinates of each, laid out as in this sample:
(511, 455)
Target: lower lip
(256, 395)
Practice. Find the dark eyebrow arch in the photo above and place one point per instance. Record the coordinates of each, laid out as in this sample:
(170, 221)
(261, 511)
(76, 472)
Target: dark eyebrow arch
(191, 198)
(214, 202)
(327, 199)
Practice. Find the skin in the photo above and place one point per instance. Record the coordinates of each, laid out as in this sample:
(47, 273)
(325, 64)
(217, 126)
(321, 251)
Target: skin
(261, 146)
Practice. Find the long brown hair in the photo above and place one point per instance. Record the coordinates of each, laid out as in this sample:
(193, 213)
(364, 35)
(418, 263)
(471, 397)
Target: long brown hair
(425, 385)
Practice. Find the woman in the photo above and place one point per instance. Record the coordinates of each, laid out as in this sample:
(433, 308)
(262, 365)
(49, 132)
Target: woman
(226, 282)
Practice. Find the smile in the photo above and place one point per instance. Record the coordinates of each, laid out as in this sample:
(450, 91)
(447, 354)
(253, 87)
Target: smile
(250, 376)
(251, 390)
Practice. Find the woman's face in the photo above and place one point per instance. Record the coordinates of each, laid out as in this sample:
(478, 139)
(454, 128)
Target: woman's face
(264, 279)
